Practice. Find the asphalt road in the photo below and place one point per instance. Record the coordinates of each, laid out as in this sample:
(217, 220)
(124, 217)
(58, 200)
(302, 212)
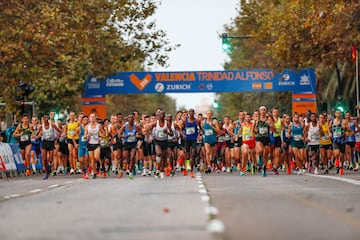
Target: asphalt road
(215, 206)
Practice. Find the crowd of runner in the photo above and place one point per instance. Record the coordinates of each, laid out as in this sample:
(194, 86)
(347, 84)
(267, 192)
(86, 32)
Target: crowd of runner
(160, 144)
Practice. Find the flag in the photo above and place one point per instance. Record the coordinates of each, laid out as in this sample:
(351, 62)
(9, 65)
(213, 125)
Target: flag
(353, 53)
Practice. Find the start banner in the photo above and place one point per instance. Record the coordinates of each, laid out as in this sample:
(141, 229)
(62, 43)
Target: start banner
(297, 82)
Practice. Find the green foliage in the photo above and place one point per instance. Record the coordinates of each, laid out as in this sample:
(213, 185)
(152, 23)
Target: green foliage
(55, 45)
(299, 34)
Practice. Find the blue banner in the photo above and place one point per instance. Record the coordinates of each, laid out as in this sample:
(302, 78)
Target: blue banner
(298, 82)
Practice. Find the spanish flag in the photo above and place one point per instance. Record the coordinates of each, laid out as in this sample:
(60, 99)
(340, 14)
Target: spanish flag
(353, 53)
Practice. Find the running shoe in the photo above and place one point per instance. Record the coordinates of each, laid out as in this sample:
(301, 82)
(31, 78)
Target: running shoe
(27, 173)
(242, 173)
(253, 169)
(33, 172)
(263, 173)
(104, 175)
(148, 172)
(275, 172)
(337, 170)
(46, 177)
(131, 176)
(326, 171)
(185, 172)
(223, 169)
(121, 174)
(351, 167)
(162, 175)
(356, 167)
(127, 172)
(248, 167)
(238, 167)
(144, 173)
(316, 172)
(288, 170)
(228, 170)
(85, 176)
(72, 171)
(172, 173)
(53, 173)
(300, 172)
(93, 176)
(342, 171)
(192, 175)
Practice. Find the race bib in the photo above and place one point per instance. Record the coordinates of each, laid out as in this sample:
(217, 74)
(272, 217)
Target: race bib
(190, 130)
(209, 132)
(247, 137)
(315, 137)
(131, 139)
(72, 132)
(24, 138)
(161, 134)
(263, 130)
(103, 143)
(84, 139)
(325, 137)
(337, 134)
(227, 137)
(297, 137)
(94, 137)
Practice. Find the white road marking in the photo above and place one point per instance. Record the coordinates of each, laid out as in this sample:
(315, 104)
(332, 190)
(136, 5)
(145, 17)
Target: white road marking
(211, 210)
(347, 180)
(35, 191)
(215, 226)
(205, 198)
(53, 186)
(202, 191)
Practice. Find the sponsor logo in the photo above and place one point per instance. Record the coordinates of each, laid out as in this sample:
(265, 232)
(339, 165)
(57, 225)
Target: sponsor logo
(285, 81)
(304, 80)
(172, 87)
(256, 86)
(268, 85)
(94, 84)
(159, 87)
(115, 82)
(140, 84)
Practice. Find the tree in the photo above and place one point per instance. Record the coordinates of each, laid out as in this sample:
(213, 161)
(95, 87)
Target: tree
(55, 45)
(300, 34)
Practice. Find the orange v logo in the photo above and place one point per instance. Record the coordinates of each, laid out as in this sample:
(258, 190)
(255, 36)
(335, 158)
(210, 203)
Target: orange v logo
(140, 84)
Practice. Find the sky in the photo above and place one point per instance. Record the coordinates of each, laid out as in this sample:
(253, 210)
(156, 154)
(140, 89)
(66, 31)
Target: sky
(196, 25)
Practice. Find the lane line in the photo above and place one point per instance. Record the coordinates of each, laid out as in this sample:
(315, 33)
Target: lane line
(347, 180)
(35, 191)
